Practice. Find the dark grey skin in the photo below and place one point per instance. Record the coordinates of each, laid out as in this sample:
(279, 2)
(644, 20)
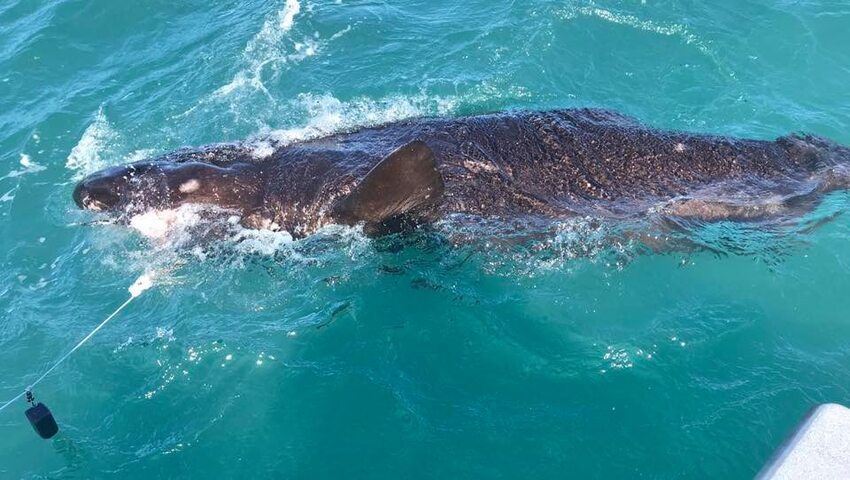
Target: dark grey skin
(549, 165)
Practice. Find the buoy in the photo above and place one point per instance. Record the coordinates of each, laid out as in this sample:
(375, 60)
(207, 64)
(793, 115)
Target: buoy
(40, 418)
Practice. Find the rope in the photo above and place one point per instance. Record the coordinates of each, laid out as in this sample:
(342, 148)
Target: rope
(140, 285)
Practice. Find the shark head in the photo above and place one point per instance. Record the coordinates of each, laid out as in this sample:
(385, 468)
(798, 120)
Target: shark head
(162, 184)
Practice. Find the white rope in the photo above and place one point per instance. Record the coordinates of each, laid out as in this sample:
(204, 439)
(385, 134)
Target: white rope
(140, 285)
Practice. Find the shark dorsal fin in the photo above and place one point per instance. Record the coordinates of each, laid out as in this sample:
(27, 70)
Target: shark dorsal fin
(401, 189)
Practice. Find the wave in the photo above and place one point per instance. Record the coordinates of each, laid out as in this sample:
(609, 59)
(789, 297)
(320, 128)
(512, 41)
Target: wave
(29, 166)
(666, 29)
(272, 48)
(324, 114)
(100, 146)
(327, 114)
(9, 195)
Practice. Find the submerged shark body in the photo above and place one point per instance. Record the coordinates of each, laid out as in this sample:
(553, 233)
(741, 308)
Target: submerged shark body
(553, 164)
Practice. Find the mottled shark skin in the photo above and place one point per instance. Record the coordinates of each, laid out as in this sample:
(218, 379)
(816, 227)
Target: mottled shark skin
(551, 164)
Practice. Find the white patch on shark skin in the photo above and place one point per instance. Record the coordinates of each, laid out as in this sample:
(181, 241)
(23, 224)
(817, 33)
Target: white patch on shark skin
(680, 147)
(475, 166)
(190, 186)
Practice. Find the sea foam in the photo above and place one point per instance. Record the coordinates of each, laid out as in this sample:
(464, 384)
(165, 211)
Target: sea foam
(87, 155)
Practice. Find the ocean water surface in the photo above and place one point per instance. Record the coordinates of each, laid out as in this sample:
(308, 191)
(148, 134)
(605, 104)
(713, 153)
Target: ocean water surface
(339, 356)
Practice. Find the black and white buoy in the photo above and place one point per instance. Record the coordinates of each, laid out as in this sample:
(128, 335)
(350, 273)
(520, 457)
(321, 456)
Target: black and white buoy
(40, 418)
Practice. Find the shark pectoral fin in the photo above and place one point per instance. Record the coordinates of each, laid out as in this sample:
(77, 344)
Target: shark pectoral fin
(399, 192)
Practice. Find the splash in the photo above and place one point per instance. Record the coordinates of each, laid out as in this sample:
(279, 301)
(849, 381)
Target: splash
(188, 227)
(192, 228)
(535, 247)
(265, 43)
(272, 48)
(327, 114)
(87, 156)
(193, 235)
(287, 15)
(156, 224)
(261, 242)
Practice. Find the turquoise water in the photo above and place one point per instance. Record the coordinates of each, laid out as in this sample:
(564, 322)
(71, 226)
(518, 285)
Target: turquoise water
(342, 357)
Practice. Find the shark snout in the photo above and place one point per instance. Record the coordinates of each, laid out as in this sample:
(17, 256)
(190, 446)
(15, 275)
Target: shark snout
(139, 185)
(94, 195)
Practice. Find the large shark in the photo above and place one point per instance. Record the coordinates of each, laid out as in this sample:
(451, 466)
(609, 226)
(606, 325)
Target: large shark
(548, 165)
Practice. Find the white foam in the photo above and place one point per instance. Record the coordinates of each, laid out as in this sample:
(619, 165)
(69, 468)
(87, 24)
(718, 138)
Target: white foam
(263, 49)
(87, 155)
(674, 29)
(8, 196)
(156, 223)
(241, 80)
(287, 15)
(139, 155)
(262, 149)
(28, 167)
(307, 48)
(175, 229)
(272, 48)
(274, 29)
(180, 230)
(262, 242)
(327, 114)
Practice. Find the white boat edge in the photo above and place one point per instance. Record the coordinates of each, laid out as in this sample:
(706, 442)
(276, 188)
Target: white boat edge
(819, 447)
